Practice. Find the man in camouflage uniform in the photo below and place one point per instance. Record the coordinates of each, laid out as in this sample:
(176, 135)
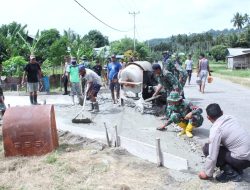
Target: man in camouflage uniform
(174, 66)
(183, 113)
(166, 79)
(166, 55)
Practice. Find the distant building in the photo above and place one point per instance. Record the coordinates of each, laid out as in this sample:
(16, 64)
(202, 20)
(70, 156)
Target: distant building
(105, 52)
(238, 58)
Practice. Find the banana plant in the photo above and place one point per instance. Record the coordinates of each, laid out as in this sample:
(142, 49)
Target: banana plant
(32, 46)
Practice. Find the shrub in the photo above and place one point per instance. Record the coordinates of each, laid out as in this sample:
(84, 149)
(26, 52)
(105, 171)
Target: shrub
(14, 66)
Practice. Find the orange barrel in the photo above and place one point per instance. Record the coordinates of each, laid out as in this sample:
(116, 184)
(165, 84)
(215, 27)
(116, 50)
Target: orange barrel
(29, 130)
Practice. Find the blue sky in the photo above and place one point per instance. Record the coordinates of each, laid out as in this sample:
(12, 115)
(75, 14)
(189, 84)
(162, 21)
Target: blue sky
(157, 18)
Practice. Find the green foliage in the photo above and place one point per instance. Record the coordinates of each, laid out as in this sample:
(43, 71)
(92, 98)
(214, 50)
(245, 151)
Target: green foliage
(57, 51)
(44, 42)
(11, 43)
(96, 38)
(219, 52)
(240, 20)
(51, 158)
(121, 46)
(46, 67)
(126, 44)
(14, 66)
(32, 46)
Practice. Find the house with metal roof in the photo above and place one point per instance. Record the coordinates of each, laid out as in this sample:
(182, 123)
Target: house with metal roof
(238, 58)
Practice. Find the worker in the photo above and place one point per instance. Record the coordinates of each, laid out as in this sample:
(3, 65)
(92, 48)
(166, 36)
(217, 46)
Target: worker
(183, 113)
(166, 80)
(228, 147)
(94, 84)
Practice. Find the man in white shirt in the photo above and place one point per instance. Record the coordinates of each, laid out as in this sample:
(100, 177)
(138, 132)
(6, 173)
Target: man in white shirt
(189, 67)
(228, 147)
(94, 84)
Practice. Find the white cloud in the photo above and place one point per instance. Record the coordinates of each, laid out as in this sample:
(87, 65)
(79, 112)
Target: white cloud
(157, 18)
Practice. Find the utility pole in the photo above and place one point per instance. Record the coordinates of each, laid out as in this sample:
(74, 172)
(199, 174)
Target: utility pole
(134, 14)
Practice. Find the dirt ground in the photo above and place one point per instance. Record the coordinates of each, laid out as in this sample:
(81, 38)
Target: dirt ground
(81, 163)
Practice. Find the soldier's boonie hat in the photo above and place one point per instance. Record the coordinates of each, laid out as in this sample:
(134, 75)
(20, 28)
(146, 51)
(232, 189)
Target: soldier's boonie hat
(174, 97)
(156, 66)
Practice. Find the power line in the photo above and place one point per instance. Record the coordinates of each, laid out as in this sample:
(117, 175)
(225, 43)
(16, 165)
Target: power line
(99, 19)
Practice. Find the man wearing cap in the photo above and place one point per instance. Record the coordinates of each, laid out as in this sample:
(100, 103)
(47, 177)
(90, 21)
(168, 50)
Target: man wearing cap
(65, 76)
(84, 62)
(165, 79)
(33, 73)
(73, 74)
(183, 113)
(94, 84)
(113, 69)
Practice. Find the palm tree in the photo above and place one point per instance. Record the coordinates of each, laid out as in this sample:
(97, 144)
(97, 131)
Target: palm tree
(246, 19)
(238, 21)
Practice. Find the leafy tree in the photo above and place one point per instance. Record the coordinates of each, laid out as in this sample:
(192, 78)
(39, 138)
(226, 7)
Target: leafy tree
(57, 51)
(238, 21)
(32, 46)
(13, 44)
(246, 19)
(14, 66)
(96, 38)
(219, 52)
(232, 40)
(120, 46)
(48, 37)
(125, 44)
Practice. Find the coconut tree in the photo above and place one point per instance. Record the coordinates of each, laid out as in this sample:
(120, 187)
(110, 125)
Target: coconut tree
(238, 21)
(246, 19)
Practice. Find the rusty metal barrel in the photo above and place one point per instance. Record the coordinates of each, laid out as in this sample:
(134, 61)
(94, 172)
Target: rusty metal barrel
(29, 130)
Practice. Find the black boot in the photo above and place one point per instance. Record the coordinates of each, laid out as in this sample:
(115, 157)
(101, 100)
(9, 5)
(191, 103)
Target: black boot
(31, 99)
(35, 100)
(229, 174)
(91, 107)
(96, 107)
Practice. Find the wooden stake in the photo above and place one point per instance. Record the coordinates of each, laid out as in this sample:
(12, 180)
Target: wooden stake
(117, 139)
(122, 102)
(107, 135)
(159, 153)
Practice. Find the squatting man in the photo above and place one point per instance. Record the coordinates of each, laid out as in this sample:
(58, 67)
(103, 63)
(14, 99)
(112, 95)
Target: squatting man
(228, 147)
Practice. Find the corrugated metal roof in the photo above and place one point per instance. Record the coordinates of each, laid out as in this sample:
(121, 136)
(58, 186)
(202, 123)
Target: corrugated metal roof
(237, 51)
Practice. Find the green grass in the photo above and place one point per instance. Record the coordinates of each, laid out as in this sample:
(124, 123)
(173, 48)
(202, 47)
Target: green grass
(51, 158)
(220, 68)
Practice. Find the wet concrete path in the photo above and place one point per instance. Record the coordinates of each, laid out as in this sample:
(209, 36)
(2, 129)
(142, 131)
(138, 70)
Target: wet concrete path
(233, 98)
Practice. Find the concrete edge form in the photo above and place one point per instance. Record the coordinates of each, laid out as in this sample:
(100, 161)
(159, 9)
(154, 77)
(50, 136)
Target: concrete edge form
(137, 148)
(148, 152)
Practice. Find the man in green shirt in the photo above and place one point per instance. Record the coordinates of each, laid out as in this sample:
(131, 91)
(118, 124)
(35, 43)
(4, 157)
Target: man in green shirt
(73, 75)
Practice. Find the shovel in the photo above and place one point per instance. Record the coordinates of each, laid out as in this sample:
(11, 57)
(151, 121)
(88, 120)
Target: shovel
(83, 119)
(152, 98)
